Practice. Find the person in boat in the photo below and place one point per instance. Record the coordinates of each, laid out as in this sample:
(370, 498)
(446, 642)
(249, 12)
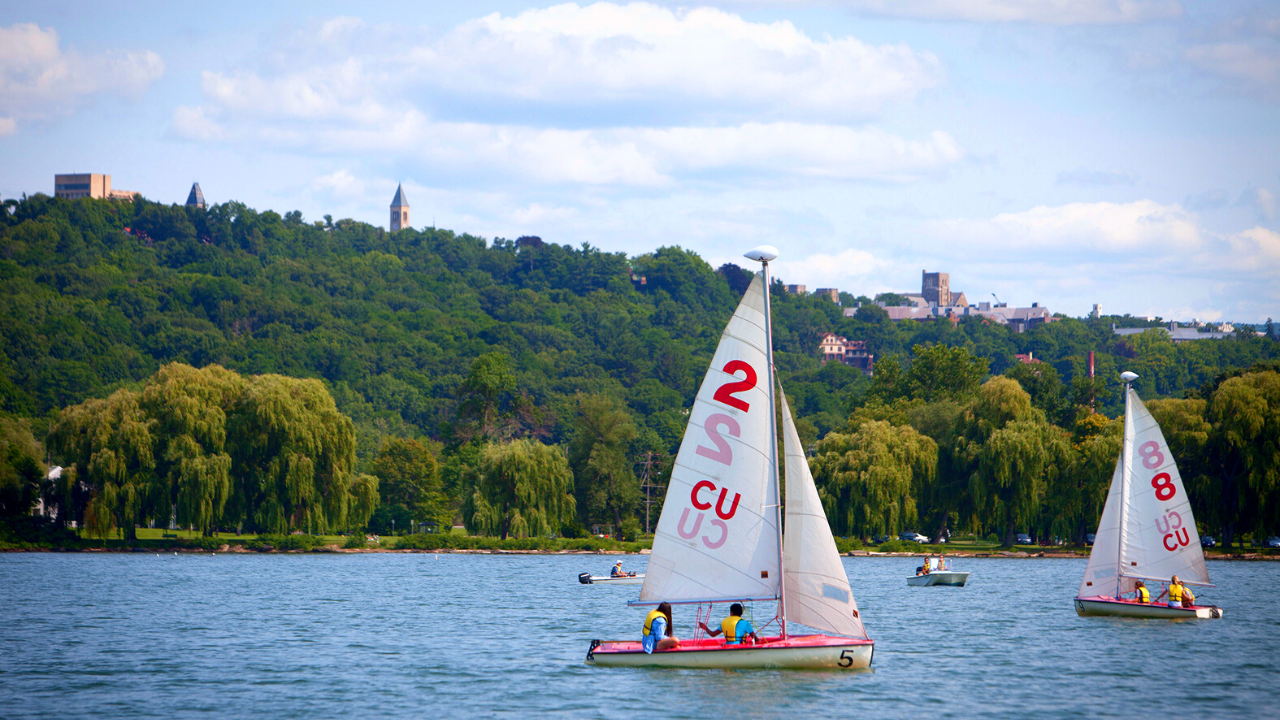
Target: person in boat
(1179, 595)
(734, 628)
(617, 571)
(1140, 593)
(657, 633)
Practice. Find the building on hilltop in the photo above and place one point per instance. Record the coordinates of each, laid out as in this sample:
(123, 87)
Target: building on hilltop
(853, 353)
(830, 293)
(88, 185)
(399, 211)
(795, 289)
(1175, 333)
(937, 300)
(196, 198)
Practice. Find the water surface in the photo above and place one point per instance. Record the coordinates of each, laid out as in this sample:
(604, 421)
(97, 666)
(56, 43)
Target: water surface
(459, 636)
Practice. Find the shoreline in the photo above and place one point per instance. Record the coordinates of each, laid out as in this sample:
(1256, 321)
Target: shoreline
(335, 550)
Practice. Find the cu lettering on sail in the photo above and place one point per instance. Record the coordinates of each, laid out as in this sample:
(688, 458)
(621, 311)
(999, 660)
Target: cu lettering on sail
(716, 426)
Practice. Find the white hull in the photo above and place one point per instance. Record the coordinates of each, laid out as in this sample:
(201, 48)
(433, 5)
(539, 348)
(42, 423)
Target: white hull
(856, 655)
(607, 580)
(946, 577)
(1086, 607)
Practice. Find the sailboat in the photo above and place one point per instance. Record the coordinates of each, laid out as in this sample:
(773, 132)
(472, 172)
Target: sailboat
(719, 539)
(1147, 531)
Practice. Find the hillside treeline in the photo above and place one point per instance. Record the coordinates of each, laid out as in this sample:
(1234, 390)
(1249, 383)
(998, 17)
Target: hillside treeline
(440, 347)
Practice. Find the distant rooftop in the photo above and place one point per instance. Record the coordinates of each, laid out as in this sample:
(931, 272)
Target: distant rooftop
(196, 197)
(399, 200)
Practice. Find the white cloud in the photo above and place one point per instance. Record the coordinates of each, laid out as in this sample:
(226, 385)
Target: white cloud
(603, 53)
(193, 124)
(1102, 227)
(39, 80)
(1238, 61)
(339, 184)
(1052, 12)
(849, 268)
(8, 126)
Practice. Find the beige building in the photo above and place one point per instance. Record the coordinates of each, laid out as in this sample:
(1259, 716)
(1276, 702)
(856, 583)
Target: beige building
(399, 211)
(88, 185)
(835, 348)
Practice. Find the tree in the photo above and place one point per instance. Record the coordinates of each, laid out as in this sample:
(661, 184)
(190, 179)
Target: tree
(21, 468)
(189, 410)
(522, 489)
(869, 479)
(110, 440)
(293, 456)
(944, 373)
(1245, 446)
(599, 453)
(1009, 453)
(1041, 382)
(484, 395)
(409, 477)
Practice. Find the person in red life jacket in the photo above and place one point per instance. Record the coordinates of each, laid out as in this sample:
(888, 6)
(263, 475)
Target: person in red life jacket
(1140, 593)
(657, 624)
(735, 627)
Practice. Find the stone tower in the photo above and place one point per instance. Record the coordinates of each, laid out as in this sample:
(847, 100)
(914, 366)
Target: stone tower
(936, 288)
(196, 198)
(399, 211)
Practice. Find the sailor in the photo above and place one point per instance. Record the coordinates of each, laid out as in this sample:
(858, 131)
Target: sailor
(1140, 593)
(1179, 594)
(735, 627)
(657, 624)
(617, 570)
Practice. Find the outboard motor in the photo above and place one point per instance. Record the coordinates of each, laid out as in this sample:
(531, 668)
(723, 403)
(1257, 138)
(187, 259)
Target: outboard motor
(584, 578)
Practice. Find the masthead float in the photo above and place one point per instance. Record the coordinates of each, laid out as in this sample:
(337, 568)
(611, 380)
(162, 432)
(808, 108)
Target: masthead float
(719, 539)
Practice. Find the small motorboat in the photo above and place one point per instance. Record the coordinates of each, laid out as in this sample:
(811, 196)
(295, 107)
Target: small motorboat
(936, 572)
(587, 578)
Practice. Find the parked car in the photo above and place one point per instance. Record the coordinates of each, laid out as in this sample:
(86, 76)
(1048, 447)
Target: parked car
(1273, 542)
(916, 537)
(1088, 538)
(1022, 539)
(1208, 541)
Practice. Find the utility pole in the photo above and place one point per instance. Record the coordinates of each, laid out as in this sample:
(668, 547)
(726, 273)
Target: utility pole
(649, 483)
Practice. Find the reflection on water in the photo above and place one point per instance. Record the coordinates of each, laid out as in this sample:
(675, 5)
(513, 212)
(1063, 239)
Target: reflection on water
(489, 635)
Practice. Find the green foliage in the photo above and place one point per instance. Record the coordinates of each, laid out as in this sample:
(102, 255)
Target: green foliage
(21, 468)
(355, 541)
(869, 480)
(903, 546)
(409, 476)
(600, 452)
(522, 489)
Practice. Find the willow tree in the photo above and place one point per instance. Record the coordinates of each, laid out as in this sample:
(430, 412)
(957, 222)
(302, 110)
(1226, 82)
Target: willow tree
(110, 442)
(292, 459)
(21, 468)
(604, 476)
(189, 409)
(1245, 444)
(1186, 428)
(1075, 498)
(869, 479)
(522, 489)
(1010, 453)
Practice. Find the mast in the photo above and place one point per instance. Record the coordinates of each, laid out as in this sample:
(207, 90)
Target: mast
(764, 254)
(1125, 472)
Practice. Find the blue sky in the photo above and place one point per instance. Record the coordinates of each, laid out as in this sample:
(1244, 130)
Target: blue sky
(1070, 152)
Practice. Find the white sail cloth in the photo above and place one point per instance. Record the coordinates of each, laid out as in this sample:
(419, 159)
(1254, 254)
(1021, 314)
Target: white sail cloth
(816, 592)
(1147, 530)
(717, 538)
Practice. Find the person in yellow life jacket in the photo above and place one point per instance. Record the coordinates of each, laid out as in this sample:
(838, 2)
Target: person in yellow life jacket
(657, 633)
(1179, 595)
(734, 628)
(1140, 592)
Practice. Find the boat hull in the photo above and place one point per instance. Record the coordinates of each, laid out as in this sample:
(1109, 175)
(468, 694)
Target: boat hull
(1110, 607)
(945, 577)
(607, 580)
(812, 652)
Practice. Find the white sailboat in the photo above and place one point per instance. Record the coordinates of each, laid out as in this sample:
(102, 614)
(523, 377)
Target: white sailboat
(719, 538)
(1147, 531)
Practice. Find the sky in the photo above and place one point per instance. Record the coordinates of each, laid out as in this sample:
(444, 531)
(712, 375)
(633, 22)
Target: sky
(1066, 152)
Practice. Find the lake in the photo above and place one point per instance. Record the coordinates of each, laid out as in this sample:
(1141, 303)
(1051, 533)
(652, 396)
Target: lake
(460, 636)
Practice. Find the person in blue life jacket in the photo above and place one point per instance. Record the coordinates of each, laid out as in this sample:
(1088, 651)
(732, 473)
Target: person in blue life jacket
(1140, 593)
(657, 633)
(734, 628)
(1179, 595)
(617, 571)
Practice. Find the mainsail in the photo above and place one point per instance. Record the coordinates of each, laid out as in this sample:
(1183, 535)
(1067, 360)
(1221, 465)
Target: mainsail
(717, 538)
(1147, 530)
(817, 588)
